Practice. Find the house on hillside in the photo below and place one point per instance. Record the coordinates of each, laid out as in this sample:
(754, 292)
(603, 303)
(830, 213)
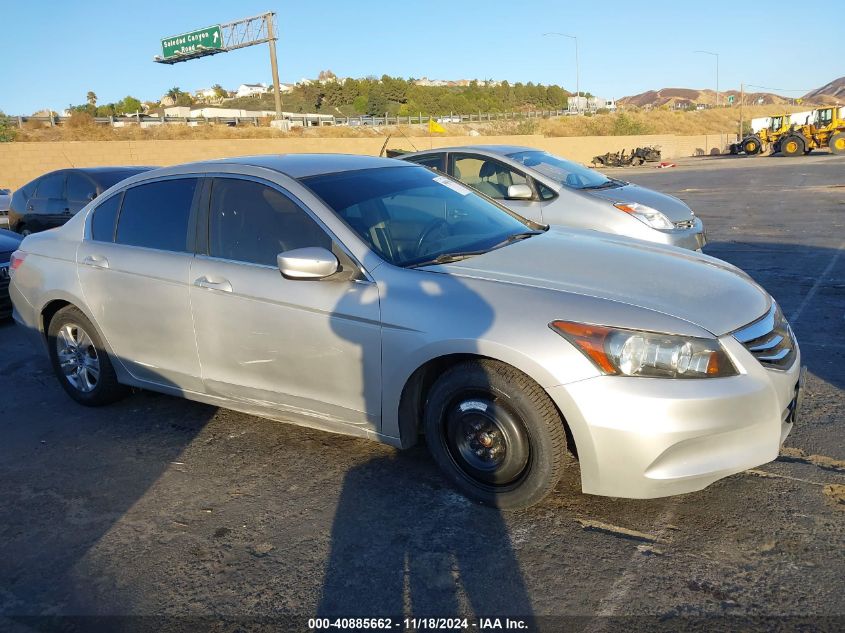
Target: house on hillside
(251, 90)
(589, 104)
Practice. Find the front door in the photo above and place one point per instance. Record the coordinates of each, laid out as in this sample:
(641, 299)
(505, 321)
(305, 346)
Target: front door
(306, 347)
(135, 280)
(492, 178)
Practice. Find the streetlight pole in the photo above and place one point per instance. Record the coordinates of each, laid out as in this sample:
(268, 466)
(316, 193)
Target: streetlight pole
(716, 55)
(577, 67)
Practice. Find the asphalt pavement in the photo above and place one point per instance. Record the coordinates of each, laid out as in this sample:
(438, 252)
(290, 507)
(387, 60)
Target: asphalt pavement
(161, 507)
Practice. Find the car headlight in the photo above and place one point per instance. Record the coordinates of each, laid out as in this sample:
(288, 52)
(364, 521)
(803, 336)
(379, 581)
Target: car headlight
(651, 217)
(617, 351)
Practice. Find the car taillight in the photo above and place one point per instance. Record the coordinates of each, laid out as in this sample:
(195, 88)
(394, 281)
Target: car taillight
(16, 261)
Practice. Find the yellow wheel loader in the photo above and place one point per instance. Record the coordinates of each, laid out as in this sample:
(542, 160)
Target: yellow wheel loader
(824, 128)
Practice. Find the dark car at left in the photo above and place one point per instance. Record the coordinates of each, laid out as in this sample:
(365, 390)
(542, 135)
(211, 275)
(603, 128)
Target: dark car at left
(52, 199)
(9, 243)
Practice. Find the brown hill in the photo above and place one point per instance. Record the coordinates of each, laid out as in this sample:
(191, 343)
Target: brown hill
(688, 96)
(831, 93)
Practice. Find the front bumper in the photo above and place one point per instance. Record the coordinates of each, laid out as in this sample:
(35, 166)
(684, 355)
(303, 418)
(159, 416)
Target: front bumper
(693, 238)
(652, 437)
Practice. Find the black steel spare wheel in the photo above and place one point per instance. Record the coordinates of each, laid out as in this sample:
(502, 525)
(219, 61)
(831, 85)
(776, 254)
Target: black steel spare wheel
(485, 440)
(495, 433)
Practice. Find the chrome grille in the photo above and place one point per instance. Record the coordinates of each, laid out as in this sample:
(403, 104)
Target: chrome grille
(685, 224)
(769, 339)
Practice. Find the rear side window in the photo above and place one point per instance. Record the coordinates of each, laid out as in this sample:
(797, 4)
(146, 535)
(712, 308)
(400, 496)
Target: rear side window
(251, 222)
(103, 220)
(157, 215)
(51, 187)
(80, 188)
(433, 162)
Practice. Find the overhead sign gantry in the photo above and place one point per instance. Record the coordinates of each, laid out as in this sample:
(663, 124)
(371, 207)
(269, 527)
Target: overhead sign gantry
(222, 38)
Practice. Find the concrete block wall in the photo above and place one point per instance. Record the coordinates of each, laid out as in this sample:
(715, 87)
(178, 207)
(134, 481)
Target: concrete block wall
(21, 162)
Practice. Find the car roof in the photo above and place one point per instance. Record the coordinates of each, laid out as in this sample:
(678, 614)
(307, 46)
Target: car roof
(493, 149)
(305, 165)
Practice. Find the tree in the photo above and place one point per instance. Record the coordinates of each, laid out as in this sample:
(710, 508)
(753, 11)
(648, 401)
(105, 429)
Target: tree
(91, 98)
(174, 93)
(219, 91)
(377, 101)
(129, 105)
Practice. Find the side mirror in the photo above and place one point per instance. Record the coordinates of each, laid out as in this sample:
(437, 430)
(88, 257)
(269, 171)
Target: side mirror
(520, 192)
(91, 196)
(313, 262)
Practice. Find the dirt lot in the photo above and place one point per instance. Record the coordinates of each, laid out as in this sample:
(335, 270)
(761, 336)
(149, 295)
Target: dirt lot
(162, 507)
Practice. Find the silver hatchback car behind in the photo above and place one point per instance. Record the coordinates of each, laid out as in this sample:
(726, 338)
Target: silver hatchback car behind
(376, 298)
(547, 188)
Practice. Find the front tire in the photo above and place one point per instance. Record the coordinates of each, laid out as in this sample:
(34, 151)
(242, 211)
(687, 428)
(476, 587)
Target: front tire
(837, 143)
(752, 145)
(80, 361)
(495, 434)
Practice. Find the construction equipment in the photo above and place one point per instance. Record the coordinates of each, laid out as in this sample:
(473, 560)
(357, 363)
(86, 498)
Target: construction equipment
(761, 138)
(824, 128)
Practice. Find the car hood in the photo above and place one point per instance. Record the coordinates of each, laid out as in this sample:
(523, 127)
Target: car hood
(9, 241)
(674, 209)
(699, 289)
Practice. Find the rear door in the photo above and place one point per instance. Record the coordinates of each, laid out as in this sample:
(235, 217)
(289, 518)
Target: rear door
(311, 347)
(134, 267)
(432, 161)
(46, 209)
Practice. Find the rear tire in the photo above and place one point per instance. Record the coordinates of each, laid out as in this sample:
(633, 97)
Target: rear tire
(80, 361)
(495, 434)
(24, 230)
(837, 143)
(792, 146)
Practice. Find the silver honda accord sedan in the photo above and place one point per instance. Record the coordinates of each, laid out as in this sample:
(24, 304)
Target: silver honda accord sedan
(375, 298)
(550, 189)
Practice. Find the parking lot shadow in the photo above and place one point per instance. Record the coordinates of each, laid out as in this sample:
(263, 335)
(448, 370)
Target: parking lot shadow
(70, 473)
(435, 553)
(808, 282)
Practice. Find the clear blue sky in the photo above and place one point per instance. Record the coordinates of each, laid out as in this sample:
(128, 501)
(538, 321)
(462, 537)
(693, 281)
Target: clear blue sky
(55, 51)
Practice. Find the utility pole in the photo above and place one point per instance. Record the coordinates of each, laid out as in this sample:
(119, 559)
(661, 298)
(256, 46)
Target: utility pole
(741, 101)
(577, 68)
(716, 55)
(274, 64)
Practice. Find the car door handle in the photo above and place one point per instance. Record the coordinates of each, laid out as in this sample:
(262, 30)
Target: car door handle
(98, 261)
(222, 285)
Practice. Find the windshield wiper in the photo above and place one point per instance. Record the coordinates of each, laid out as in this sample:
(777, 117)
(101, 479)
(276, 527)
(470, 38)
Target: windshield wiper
(445, 258)
(516, 237)
(605, 185)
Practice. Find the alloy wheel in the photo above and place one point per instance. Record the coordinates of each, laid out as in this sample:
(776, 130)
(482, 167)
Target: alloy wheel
(78, 358)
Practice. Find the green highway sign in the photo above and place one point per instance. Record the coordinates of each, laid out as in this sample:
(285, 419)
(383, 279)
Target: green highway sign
(187, 43)
(730, 98)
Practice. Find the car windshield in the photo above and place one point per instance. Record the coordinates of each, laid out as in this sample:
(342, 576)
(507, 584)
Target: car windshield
(411, 216)
(564, 171)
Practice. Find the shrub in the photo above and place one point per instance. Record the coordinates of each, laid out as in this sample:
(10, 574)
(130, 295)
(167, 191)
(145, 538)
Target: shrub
(80, 120)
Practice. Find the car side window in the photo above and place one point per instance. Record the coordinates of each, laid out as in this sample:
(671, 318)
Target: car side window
(157, 215)
(51, 187)
(80, 188)
(487, 175)
(433, 161)
(545, 192)
(104, 219)
(251, 222)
